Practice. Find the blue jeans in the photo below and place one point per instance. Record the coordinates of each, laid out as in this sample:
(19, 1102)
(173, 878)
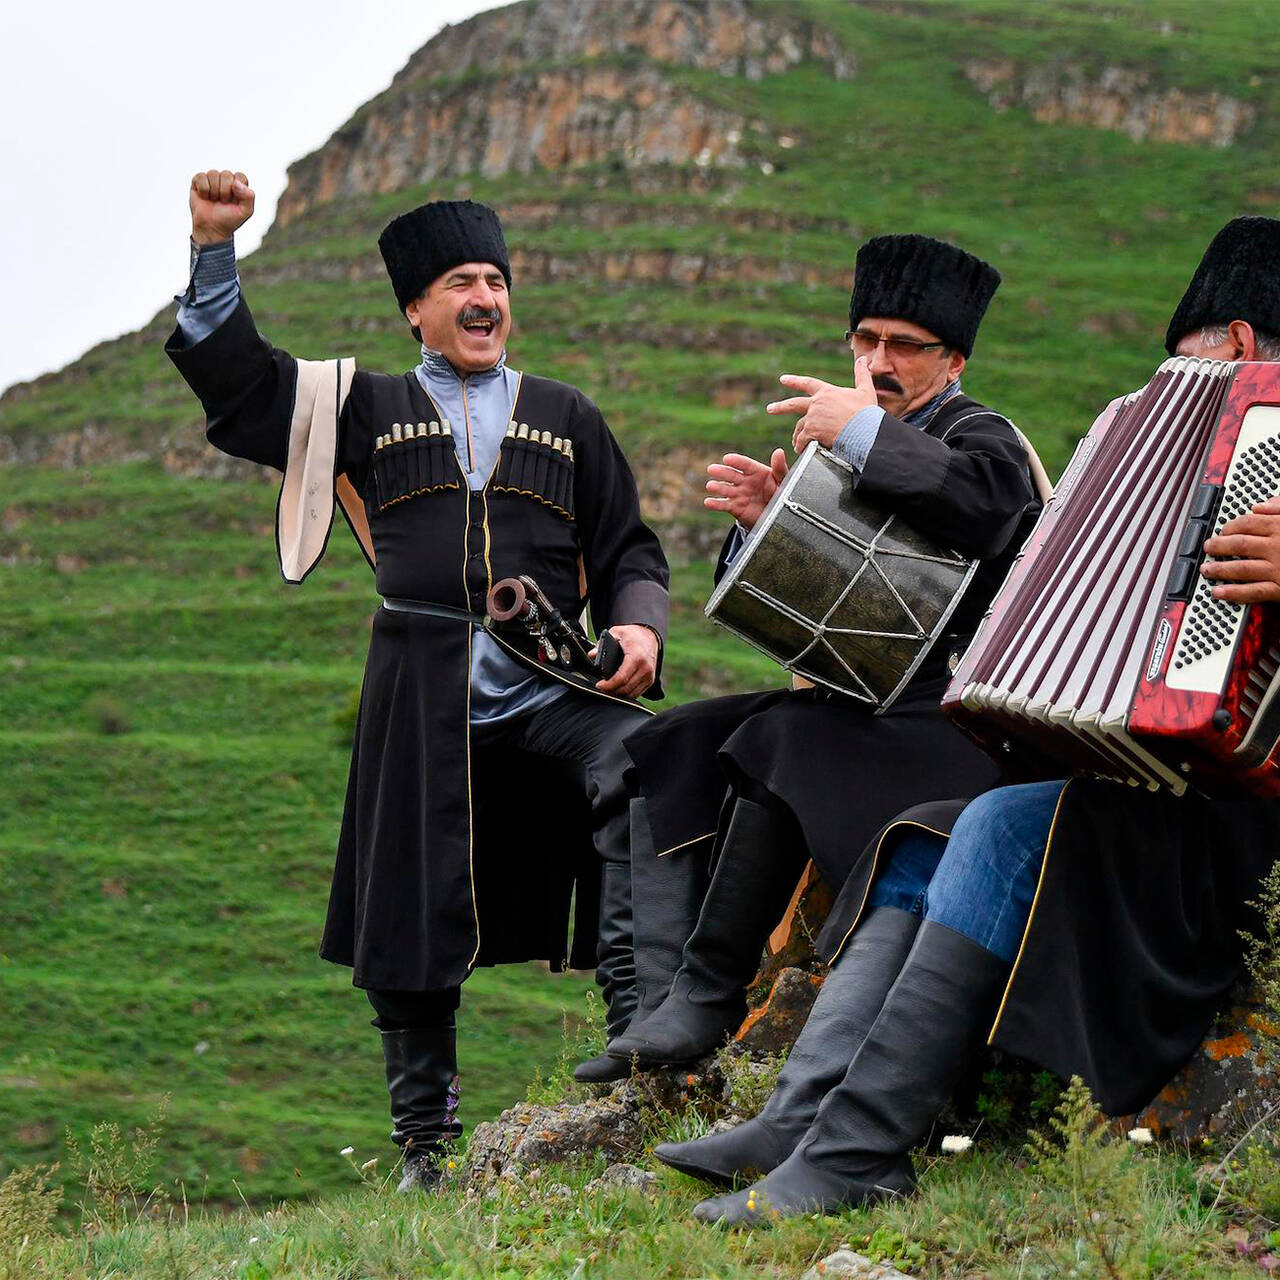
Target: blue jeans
(980, 882)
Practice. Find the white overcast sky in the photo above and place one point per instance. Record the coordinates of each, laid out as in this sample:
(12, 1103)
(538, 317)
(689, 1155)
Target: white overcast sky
(108, 109)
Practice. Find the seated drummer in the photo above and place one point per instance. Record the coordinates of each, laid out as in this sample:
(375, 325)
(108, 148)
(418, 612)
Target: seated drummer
(755, 785)
(1095, 924)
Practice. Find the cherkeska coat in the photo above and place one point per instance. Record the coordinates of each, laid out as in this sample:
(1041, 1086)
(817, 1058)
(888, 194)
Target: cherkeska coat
(1133, 941)
(429, 881)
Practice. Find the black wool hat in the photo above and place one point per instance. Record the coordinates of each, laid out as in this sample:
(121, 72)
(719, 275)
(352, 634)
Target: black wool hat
(421, 245)
(927, 281)
(1237, 279)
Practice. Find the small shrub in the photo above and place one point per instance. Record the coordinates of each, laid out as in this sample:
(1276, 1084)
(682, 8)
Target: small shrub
(28, 1208)
(580, 1038)
(115, 1169)
(749, 1082)
(1091, 1177)
(1262, 955)
(108, 715)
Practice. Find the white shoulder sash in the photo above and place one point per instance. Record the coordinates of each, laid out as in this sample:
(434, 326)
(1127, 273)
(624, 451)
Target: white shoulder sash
(304, 513)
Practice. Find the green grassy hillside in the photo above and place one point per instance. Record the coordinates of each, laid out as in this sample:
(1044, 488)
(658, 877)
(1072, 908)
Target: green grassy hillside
(171, 756)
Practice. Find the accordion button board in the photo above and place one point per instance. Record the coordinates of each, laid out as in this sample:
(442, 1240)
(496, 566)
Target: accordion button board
(1105, 648)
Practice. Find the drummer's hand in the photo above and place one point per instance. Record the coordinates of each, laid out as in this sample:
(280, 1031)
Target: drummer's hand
(639, 661)
(1254, 577)
(825, 409)
(742, 486)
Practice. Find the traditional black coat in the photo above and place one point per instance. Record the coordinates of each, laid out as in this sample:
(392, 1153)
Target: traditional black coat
(429, 880)
(843, 771)
(1133, 940)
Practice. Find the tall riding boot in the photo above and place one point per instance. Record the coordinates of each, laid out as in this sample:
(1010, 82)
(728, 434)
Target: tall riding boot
(422, 1071)
(760, 861)
(846, 1008)
(858, 1148)
(665, 896)
(615, 971)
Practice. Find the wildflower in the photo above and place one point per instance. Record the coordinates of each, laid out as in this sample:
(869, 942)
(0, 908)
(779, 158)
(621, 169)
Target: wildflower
(955, 1144)
(766, 168)
(786, 142)
(452, 1165)
(689, 1079)
(1141, 1136)
(369, 1165)
(347, 1151)
(253, 1239)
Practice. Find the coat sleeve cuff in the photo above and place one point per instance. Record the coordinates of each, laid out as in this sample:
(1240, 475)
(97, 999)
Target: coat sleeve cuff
(642, 603)
(221, 366)
(858, 437)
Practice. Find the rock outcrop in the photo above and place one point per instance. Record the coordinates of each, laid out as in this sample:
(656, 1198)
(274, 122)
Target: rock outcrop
(1121, 99)
(559, 85)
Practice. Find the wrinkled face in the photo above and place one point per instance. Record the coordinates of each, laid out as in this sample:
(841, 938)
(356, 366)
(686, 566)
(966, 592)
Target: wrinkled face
(909, 365)
(465, 314)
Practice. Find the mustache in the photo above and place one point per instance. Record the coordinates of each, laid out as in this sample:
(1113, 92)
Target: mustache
(469, 315)
(882, 382)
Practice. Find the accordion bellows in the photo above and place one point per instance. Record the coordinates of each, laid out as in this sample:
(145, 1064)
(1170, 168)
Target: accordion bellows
(1105, 648)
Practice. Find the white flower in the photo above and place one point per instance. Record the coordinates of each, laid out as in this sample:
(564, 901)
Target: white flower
(202, 1047)
(347, 1151)
(253, 1239)
(785, 142)
(955, 1144)
(1141, 1136)
(766, 168)
(369, 1165)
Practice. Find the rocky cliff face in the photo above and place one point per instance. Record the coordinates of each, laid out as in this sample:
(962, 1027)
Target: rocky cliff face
(1117, 98)
(561, 84)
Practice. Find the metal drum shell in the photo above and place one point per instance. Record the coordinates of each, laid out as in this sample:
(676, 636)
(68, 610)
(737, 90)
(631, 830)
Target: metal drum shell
(835, 588)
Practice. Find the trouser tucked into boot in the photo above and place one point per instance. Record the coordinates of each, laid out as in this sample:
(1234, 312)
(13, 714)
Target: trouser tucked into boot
(758, 863)
(857, 1149)
(422, 1078)
(846, 1008)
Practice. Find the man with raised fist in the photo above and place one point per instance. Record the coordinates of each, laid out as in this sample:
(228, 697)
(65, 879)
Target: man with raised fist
(740, 792)
(454, 475)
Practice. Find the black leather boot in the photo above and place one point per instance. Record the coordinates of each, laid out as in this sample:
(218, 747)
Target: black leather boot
(615, 972)
(759, 863)
(838, 1023)
(666, 895)
(422, 1072)
(858, 1148)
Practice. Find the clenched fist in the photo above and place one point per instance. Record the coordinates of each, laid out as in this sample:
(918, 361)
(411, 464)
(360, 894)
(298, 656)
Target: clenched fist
(221, 202)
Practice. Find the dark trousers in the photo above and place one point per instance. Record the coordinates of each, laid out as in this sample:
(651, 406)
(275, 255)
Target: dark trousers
(414, 1010)
(588, 732)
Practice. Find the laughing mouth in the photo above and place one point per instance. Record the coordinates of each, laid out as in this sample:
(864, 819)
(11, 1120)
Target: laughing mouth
(479, 323)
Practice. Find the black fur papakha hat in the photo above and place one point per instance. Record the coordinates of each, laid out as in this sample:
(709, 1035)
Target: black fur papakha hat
(927, 281)
(421, 245)
(1237, 279)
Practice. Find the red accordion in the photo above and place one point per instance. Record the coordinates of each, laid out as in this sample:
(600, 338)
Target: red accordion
(1105, 648)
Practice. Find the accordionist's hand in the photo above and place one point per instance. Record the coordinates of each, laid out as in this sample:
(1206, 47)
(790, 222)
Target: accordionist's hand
(742, 486)
(1253, 575)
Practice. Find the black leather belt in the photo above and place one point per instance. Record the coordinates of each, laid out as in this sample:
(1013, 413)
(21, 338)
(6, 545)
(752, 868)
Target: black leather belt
(395, 605)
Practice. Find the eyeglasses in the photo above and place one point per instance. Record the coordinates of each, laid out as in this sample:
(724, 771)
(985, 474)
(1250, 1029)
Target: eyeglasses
(864, 343)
